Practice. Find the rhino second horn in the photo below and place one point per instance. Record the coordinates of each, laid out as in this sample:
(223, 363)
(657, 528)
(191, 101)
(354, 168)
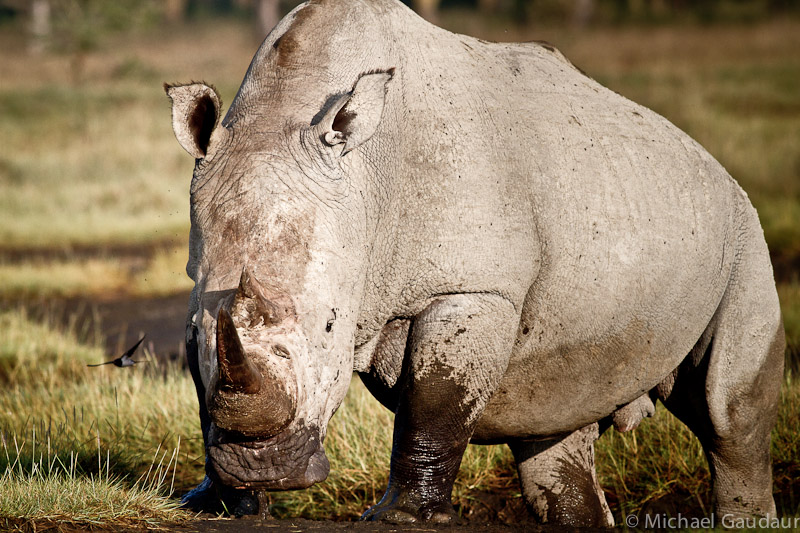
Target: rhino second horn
(251, 303)
(236, 372)
(249, 286)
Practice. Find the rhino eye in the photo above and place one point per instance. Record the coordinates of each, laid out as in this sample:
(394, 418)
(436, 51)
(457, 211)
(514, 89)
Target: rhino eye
(329, 325)
(281, 351)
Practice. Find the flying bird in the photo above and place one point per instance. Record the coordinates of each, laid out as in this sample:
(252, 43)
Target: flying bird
(124, 359)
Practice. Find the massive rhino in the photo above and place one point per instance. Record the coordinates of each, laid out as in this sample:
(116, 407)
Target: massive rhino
(503, 249)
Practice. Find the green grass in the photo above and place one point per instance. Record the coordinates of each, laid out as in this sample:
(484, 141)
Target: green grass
(49, 491)
(96, 162)
(89, 446)
(789, 294)
(66, 429)
(102, 168)
(661, 468)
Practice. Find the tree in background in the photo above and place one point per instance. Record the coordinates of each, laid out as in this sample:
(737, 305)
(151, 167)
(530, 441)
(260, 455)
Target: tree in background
(175, 10)
(579, 12)
(40, 26)
(78, 27)
(429, 9)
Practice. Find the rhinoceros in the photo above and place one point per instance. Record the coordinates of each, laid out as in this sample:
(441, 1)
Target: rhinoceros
(504, 250)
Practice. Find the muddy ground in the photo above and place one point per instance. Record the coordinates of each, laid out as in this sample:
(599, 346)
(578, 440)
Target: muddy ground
(301, 526)
(123, 321)
(118, 321)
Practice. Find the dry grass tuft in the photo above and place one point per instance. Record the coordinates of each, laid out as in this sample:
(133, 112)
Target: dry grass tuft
(89, 446)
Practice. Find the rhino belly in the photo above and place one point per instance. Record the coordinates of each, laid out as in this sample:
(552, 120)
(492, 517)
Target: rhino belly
(563, 398)
(576, 361)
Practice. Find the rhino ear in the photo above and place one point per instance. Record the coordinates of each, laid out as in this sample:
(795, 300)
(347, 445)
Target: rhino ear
(195, 116)
(354, 117)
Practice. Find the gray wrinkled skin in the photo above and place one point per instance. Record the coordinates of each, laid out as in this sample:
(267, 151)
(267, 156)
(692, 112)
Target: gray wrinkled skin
(505, 250)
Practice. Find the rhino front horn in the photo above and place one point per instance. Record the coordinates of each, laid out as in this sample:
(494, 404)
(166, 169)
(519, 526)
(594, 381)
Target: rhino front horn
(248, 399)
(236, 372)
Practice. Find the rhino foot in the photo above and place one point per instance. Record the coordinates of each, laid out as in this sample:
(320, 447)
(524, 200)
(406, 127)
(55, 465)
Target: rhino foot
(213, 498)
(405, 507)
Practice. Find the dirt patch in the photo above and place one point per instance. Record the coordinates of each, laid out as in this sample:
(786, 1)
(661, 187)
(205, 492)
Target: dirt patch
(124, 320)
(118, 321)
(129, 252)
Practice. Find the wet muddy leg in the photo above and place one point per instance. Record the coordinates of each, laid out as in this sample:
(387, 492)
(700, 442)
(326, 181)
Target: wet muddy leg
(457, 351)
(559, 481)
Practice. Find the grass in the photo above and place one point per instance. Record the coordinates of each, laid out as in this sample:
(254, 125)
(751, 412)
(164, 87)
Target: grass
(89, 446)
(147, 272)
(96, 163)
(661, 468)
(132, 436)
(52, 492)
(112, 178)
(789, 294)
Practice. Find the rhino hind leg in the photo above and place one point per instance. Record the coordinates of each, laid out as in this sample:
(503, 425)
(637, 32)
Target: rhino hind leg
(727, 390)
(559, 481)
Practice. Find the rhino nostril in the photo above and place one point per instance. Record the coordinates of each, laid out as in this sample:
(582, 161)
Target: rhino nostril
(281, 351)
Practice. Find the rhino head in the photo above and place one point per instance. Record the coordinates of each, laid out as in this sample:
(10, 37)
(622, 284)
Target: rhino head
(278, 253)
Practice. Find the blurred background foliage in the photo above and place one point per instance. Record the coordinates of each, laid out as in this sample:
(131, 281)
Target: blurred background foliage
(77, 27)
(81, 23)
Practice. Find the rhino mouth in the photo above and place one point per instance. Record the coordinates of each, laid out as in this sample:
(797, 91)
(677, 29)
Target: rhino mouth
(288, 461)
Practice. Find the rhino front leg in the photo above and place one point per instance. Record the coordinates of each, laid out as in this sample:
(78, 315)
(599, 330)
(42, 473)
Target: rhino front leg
(457, 352)
(559, 482)
(208, 496)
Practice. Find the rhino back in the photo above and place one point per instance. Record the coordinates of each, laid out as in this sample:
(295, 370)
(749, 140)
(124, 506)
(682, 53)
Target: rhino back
(612, 230)
(637, 229)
